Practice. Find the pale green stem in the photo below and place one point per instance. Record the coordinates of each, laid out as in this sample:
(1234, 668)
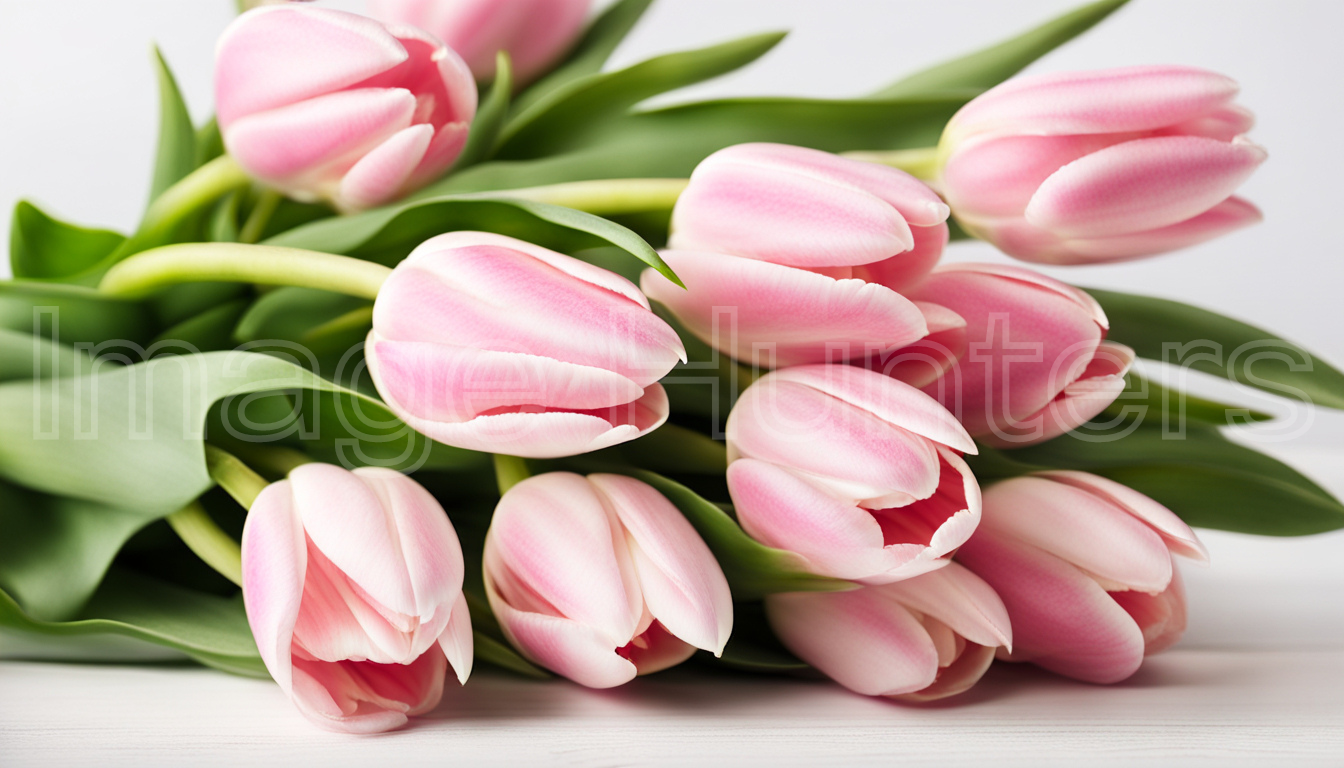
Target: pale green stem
(510, 471)
(215, 547)
(235, 477)
(144, 273)
(198, 189)
(922, 163)
(260, 216)
(602, 197)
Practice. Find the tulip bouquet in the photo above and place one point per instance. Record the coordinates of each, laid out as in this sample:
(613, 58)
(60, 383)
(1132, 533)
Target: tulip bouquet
(435, 346)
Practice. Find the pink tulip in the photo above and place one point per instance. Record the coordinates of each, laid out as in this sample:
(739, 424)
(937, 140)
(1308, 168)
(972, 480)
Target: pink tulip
(1084, 566)
(855, 471)
(921, 639)
(327, 105)
(536, 33)
(489, 343)
(1036, 363)
(776, 245)
(1109, 165)
(600, 578)
(353, 587)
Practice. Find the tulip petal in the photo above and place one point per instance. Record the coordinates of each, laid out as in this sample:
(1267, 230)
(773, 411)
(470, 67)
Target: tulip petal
(1141, 185)
(869, 644)
(905, 271)
(1160, 617)
(1228, 216)
(456, 640)
(996, 176)
(381, 174)
(960, 599)
(656, 649)
(1178, 536)
(277, 56)
(683, 586)
(275, 560)
(959, 677)
(330, 697)
(566, 647)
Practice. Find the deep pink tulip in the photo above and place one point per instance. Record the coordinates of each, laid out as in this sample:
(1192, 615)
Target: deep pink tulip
(1084, 566)
(1036, 362)
(777, 246)
(353, 587)
(855, 471)
(534, 32)
(921, 639)
(489, 343)
(601, 579)
(1100, 166)
(327, 105)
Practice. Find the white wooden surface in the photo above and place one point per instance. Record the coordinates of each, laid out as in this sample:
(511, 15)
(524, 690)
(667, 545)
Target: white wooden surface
(1258, 680)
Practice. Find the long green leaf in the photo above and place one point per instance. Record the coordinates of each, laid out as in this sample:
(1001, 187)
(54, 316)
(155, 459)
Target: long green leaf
(72, 314)
(176, 155)
(561, 119)
(986, 68)
(1187, 336)
(25, 356)
(1158, 402)
(46, 248)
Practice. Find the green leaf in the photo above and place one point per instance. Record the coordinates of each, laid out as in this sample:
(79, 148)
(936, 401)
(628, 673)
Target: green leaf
(1199, 474)
(213, 630)
(72, 314)
(670, 449)
(386, 235)
(45, 248)
(25, 356)
(490, 117)
(986, 68)
(591, 52)
(558, 120)
(209, 331)
(1186, 336)
(209, 142)
(1149, 399)
(290, 314)
(753, 569)
(176, 155)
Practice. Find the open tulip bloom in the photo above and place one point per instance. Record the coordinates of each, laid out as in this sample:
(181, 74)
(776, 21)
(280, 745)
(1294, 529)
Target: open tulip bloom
(714, 353)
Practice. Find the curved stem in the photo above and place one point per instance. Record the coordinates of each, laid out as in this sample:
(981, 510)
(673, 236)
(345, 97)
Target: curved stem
(235, 477)
(198, 189)
(602, 197)
(510, 471)
(144, 273)
(922, 163)
(215, 547)
(260, 216)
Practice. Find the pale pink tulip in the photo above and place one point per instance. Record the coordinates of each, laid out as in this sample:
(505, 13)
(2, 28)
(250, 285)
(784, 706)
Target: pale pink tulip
(1084, 566)
(855, 471)
(1100, 166)
(778, 247)
(535, 33)
(921, 639)
(353, 587)
(601, 578)
(1036, 362)
(489, 343)
(327, 105)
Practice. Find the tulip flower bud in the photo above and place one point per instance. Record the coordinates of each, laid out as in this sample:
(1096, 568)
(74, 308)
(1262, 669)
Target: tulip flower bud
(1084, 566)
(1036, 363)
(855, 471)
(776, 245)
(489, 343)
(327, 105)
(535, 33)
(353, 587)
(1109, 165)
(600, 578)
(921, 639)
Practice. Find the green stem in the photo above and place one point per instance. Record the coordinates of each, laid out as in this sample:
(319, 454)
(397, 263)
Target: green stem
(510, 471)
(260, 216)
(198, 189)
(212, 545)
(277, 460)
(235, 477)
(922, 163)
(144, 273)
(602, 197)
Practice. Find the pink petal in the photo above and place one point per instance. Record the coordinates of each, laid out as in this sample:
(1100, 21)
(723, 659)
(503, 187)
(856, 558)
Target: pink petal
(1178, 536)
(274, 563)
(456, 641)
(1160, 617)
(683, 586)
(381, 175)
(960, 599)
(1228, 216)
(996, 176)
(363, 697)
(1141, 185)
(957, 677)
(905, 271)
(568, 648)
(1223, 124)
(655, 650)
(927, 360)
(776, 316)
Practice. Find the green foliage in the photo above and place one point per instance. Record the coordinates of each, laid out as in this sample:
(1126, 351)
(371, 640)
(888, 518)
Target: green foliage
(176, 156)
(46, 248)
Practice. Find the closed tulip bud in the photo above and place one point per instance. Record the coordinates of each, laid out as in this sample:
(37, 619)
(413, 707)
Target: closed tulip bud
(601, 579)
(776, 245)
(1084, 566)
(1108, 165)
(857, 472)
(493, 344)
(535, 33)
(327, 105)
(1036, 363)
(353, 587)
(921, 639)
